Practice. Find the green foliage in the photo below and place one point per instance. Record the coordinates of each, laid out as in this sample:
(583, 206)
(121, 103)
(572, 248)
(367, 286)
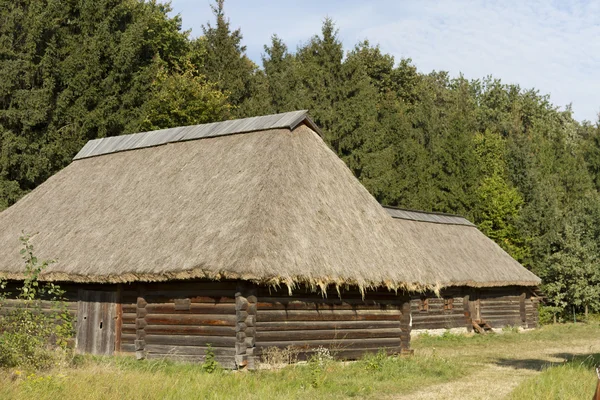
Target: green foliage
(317, 365)
(210, 364)
(182, 98)
(32, 336)
(549, 314)
(222, 59)
(75, 71)
(374, 362)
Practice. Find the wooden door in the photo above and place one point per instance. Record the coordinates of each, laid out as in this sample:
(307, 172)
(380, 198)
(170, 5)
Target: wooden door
(96, 322)
(475, 305)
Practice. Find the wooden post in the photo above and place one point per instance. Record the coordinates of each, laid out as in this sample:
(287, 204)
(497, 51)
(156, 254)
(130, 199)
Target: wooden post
(522, 309)
(140, 324)
(245, 310)
(119, 322)
(405, 326)
(467, 311)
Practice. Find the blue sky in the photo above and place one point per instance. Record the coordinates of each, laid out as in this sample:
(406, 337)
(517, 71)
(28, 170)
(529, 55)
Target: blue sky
(553, 46)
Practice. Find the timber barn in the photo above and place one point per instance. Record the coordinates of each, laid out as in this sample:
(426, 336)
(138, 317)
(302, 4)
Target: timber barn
(245, 235)
(485, 287)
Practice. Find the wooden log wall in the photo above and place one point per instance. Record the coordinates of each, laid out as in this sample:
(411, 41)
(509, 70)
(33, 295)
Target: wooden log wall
(179, 320)
(531, 309)
(445, 312)
(348, 327)
(502, 306)
(245, 308)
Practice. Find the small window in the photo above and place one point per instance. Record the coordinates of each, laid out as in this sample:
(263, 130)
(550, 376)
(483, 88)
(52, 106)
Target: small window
(448, 303)
(424, 304)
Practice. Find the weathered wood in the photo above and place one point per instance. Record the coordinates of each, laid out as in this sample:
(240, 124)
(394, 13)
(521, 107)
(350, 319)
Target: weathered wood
(328, 306)
(191, 319)
(190, 308)
(181, 305)
(328, 334)
(189, 340)
(341, 315)
(190, 330)
(140, 322)
(317, 325)
(522, 309)
(119, 319)
(187, 350)
(96, 325)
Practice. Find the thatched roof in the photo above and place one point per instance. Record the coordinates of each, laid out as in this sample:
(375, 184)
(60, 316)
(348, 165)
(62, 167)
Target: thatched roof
(261, 199)
(462, 254)
(273, 205)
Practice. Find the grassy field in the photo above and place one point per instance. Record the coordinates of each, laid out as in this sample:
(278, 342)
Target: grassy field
(509, 365)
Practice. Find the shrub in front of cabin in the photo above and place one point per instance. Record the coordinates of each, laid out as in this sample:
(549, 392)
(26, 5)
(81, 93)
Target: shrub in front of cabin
(33, 334)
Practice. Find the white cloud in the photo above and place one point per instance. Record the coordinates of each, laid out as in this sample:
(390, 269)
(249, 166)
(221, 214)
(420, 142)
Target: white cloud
(552, 46)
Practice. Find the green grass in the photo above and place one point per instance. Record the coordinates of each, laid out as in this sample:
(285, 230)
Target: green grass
(125, 378)
(575, 379)
(447, 359)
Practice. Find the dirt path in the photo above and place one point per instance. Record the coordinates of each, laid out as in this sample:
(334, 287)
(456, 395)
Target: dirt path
(498, 376)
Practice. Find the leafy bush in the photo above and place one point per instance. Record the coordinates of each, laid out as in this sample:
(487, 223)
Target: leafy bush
(210, 364)
(548, 314)
(32, 336)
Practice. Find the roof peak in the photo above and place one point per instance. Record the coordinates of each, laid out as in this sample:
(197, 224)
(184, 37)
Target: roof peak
(427, 216)
(114, 144)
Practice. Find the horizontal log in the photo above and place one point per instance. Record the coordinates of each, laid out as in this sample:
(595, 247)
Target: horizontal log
(128, 337)
(190, 330)
(128, 328)
(332, 344)
(188, 350)
(129, 308)
(127, 347)
(331, 334)
(356, 298)
(341, 315)
(438, 318)
(195, 308)
(496, 313)
(317, 325)
(189, 319)
(129, 318)
(301, 305)
(189, 340)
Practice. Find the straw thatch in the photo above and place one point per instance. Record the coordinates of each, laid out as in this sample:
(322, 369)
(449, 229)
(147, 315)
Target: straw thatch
(261, 199)
(274, 206)
(462, 254)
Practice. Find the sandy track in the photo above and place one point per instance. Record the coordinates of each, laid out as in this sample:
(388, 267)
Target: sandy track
(497, 377)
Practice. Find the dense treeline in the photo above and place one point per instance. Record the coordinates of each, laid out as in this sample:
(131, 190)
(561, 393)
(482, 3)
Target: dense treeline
(524, 171)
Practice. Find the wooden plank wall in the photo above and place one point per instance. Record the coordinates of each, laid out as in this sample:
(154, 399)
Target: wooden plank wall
(179, 319)
(436, 317)
(349, 326)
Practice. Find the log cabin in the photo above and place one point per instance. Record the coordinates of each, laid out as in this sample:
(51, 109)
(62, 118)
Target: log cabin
(485, 287)
(243, 235)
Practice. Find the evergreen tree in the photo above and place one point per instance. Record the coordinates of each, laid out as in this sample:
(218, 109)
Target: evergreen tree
(223, 60)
